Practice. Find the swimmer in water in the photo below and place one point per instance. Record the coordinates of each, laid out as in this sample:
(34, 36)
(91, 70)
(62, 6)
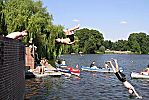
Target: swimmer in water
(122, 78)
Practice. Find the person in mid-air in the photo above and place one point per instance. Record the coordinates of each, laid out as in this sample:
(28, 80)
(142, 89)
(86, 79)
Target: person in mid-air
(17, 35)
(69, 34)
(122, 78)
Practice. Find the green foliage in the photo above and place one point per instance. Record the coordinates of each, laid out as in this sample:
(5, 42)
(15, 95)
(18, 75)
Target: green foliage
(102, 49)
(139, 43)
(30, 15)
(2, 20)
(108, 44)
(120, 45)
(19, 15)
(89, 40)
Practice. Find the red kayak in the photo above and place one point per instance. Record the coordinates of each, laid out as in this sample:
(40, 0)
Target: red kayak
(74, 71)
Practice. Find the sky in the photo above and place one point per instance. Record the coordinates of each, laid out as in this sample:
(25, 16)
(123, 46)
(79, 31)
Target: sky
(115, 19)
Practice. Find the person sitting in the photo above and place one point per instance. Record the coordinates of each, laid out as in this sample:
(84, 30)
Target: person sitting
(92, 65)
(41, 68)
(69, 34)
(63, 62)
(146, 71)
(106, 65)
(17, 35)
(122, 78)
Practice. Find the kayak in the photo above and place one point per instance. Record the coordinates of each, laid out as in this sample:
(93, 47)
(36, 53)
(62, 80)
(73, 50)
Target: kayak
(61, 65)
(74, 71)
(138, 75)
(65, 72)
(96, 69)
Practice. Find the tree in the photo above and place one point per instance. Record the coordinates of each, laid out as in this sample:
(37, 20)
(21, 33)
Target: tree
(89, 40)
(133, 43)
(107, 44)
(120, 45)
(89, 47)
(102, 49)
(142, 40)
(2, 18)
(32, 16)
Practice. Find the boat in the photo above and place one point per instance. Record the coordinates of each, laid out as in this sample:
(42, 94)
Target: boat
(41, 75)
(65, 72)
(48, 71)
(96, 69)
(74, 71)
(137, 75)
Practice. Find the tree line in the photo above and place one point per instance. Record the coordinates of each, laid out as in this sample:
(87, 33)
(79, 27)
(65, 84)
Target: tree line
(18, 15)
(137, 43)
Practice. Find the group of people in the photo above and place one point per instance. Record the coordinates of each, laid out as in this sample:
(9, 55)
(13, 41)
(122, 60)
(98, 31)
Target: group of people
(41, 68)
(120, 76)
(92, 65)
(70, 40)
(68, 32)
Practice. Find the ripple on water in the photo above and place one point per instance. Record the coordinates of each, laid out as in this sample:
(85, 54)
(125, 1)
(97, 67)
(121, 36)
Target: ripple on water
(91, 86)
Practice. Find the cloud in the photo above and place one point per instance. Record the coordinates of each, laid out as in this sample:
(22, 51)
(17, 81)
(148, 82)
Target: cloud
(123, 22)
(76, 20)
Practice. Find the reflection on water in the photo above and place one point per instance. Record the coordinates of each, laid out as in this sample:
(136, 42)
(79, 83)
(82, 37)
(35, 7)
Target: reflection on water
(90, 86)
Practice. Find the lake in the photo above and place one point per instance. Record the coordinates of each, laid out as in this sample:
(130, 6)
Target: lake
(91, 85)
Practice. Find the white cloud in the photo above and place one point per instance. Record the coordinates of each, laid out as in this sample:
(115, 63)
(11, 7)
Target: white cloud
(76, 20)
(123, 22)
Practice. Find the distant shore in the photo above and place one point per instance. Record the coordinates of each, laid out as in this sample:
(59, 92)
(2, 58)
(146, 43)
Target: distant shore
(118, 52)
(111, 52)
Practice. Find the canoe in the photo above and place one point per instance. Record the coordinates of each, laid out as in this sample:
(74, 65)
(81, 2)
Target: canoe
(96, 69)
(136, 75)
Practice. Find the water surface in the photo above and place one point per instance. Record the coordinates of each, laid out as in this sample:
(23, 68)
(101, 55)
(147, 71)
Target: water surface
(90, 86)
